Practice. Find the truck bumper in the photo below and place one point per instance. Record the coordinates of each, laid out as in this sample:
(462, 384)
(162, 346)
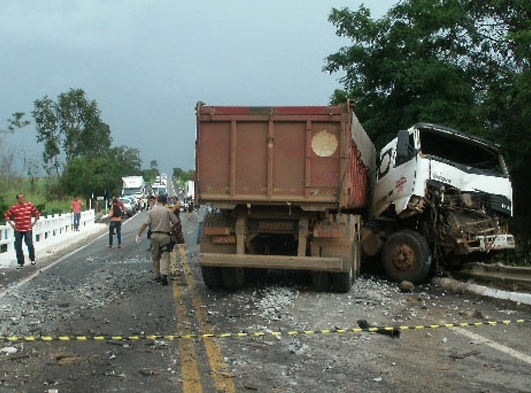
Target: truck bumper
(492, 243)
(328, 264)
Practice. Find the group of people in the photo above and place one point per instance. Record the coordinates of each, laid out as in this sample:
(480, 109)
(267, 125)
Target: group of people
(164, 231)
(23, 216)
(162, 223)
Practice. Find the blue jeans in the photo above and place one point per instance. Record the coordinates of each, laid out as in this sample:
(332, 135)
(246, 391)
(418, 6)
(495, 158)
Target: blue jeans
(115, 226)
(28, 239)
(77, 218)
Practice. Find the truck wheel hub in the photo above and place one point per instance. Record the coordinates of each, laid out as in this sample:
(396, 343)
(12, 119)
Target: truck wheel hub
(403, 257)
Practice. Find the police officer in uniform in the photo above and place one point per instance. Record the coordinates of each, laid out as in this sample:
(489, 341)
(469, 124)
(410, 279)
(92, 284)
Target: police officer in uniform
(160, 219)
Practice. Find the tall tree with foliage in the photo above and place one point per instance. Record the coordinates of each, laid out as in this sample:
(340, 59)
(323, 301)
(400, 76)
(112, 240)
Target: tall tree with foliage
(100, 174)
(460, 63)
(69, 127)
(182, 175)
(506, 106)
(417, 63)
(15, 122)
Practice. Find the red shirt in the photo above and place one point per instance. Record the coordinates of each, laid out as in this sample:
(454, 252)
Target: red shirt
(21, 213)
(76, 205)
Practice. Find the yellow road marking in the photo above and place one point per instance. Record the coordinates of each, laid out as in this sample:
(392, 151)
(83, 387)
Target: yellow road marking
(220, 371)
(191, 379)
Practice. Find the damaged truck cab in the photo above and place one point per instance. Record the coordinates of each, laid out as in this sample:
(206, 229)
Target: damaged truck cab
(440, 196)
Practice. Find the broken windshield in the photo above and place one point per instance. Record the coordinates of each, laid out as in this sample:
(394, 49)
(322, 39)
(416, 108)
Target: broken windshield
(466, 152)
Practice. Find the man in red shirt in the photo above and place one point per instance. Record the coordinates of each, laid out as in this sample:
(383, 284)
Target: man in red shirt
(77, 204)
(19, 217)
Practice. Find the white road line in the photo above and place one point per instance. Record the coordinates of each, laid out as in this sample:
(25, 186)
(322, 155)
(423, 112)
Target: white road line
(502, 348)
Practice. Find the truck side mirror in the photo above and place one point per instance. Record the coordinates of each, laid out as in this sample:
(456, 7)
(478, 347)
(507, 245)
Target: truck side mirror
(403, 149)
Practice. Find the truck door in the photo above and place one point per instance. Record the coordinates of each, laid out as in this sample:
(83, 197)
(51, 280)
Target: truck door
(396, 174)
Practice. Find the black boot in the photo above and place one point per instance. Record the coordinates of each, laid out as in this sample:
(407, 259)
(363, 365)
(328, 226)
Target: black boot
(164, 280)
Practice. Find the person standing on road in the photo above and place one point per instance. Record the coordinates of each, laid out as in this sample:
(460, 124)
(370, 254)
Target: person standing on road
(115, 224)
(160, 218)
(19, 217)
(77, 204)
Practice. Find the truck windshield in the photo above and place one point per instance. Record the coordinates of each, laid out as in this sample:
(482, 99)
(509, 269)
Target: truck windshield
(463, 151)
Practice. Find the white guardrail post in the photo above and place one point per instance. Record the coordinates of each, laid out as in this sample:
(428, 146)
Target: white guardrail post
(48, 231)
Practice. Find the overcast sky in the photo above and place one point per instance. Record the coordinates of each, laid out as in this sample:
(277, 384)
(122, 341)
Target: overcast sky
(147, 63)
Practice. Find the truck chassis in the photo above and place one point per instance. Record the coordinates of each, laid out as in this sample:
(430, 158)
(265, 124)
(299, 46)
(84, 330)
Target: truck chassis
(245, 241)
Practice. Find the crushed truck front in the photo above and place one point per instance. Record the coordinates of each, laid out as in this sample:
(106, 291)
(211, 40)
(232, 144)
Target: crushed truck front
(452, 187)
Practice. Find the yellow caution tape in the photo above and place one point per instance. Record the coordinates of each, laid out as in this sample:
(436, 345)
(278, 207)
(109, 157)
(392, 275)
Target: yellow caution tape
(153, 337)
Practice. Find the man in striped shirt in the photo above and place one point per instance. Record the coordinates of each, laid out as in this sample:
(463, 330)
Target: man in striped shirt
(19, 216)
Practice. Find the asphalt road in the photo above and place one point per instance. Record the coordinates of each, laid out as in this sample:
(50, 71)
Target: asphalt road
(93, 320)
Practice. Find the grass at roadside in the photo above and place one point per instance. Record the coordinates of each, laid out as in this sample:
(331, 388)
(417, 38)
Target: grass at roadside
(35, 191)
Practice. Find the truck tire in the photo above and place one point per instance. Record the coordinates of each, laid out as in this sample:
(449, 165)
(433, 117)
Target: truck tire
(343, 281)
(406, 256)
(233, 277)
(211, 276)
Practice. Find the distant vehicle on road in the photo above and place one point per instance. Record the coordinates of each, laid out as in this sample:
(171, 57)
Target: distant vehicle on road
(134, 202)
(133, 185)
(129, 209)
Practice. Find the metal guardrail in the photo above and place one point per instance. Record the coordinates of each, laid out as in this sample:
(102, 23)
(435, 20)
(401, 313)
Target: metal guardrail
(512, 278)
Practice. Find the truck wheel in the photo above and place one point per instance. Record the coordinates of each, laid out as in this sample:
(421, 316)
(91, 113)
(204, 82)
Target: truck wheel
(343, 281)
(321, 281)
(211, 276)
(406, 256)
(233, 277)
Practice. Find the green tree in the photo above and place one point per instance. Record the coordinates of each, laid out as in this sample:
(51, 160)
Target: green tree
(150, 175)
(414, 64)
(126, 161)
(90, 175)
(98, 175)
(7, 158)
(69, 127)
(48, 133)
(183, 175)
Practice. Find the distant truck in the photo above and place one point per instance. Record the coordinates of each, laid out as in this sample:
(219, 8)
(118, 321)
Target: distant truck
(189, 189)
(134, 185)
(296, 188)
(159, 189)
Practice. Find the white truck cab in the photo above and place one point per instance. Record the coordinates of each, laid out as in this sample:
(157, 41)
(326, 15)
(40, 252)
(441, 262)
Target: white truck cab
(452, 188)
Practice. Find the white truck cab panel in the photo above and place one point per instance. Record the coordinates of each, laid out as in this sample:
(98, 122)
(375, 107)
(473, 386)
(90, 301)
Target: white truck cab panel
(448, 157)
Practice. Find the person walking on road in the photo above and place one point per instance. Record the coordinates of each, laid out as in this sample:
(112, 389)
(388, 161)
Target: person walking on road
(19, 216)
(160, 218)
(115, 224)
(77, 204)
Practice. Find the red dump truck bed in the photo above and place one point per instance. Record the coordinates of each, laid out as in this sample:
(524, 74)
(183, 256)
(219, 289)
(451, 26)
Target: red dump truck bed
(315, 157)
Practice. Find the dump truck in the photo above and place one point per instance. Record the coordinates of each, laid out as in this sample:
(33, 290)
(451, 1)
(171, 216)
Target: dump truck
(297, 187)
(288, 186)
